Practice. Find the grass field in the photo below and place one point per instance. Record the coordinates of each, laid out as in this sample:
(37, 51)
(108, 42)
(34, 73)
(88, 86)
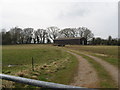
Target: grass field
(107, 53)
(50, 63)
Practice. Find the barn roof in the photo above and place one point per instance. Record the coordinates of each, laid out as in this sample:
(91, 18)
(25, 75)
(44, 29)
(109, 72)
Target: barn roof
(68, 38)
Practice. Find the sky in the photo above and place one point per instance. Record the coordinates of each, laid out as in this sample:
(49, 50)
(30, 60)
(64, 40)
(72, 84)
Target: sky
(100, 16)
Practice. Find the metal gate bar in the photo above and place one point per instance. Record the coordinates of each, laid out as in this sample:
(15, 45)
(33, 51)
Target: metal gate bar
(35, 82)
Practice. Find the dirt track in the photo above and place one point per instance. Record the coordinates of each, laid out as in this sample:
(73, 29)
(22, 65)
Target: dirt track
(86, 76)
(112, 70)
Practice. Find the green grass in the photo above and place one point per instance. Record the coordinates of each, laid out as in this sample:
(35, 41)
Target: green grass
(67, 74)
(105, 79)
(22, 54)
(111, 60)
(110, 52)
(51, 63)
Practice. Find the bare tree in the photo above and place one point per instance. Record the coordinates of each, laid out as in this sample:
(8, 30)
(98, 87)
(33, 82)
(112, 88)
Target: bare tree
(68, 32)
(28, 33)
(53, 32)
(40, 35)
(44, 35)
(15, 35)
(85, 32)
(22, 37)
(36, 36)
(80, 32)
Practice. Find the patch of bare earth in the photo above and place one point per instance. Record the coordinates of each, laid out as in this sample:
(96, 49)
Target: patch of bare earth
(112, 70)
(101, 54)
(86, 75)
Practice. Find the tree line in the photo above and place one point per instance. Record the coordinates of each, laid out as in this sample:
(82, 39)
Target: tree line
(108, 41)
(18, 35)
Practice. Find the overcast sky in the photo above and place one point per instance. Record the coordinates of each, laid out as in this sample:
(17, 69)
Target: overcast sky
(100, 17)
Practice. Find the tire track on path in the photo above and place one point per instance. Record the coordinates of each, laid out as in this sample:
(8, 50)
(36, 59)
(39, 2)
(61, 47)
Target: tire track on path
(86, 75)
(112, 70)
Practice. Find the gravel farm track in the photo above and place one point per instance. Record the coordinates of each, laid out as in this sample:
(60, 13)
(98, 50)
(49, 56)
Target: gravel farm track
(87, 76)
(113, 71)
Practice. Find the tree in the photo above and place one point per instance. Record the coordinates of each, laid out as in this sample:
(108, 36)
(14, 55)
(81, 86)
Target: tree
(118, 41)
(68, 32)
(40, 35)
(22, 37)
(98, 41)
(44, 36)
(85, 32)
(109, 40)
(36, 33)
(114, 41)
(48, 41)
(15, 35)
(27, 34)
(53, 32)
(80, 31)
(6, 38)
(38, 40)
(93, 41)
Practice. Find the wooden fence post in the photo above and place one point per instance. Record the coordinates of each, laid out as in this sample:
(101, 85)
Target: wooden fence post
(32, 64)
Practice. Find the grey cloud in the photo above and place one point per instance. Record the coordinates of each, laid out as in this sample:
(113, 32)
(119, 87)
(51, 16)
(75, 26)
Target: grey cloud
(101, 18)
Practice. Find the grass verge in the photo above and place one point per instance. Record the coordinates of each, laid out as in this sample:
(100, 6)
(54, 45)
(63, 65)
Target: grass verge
(111, 60)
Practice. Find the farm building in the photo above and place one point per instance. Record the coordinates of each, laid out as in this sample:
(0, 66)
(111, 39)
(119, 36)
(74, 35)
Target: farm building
(70, 41)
